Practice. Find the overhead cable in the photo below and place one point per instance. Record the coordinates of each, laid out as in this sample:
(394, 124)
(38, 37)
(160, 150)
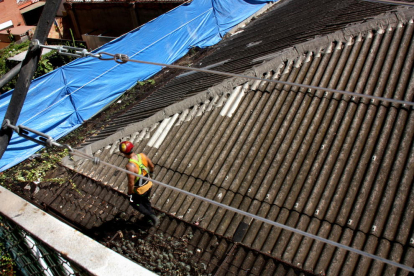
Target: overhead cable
(46, 140)
(391, 2)
(96, 161)
(121, 58)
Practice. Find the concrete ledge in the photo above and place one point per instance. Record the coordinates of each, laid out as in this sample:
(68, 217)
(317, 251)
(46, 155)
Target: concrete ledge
(72, 244)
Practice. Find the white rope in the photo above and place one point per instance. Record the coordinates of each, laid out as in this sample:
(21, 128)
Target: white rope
(235, 210)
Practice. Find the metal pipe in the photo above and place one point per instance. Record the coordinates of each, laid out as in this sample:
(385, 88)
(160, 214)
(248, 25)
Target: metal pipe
(9, 75)
(28, 68)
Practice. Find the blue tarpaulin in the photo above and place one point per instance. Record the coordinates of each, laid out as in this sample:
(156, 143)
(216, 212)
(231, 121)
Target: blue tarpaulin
(63, 99)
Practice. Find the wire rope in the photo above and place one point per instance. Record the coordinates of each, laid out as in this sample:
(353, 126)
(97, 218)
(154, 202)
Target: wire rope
(120, 58)
(247, 214)
(391, 2)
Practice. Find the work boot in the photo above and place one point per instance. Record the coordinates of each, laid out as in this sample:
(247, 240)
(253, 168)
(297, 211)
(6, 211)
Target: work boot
(155, 220)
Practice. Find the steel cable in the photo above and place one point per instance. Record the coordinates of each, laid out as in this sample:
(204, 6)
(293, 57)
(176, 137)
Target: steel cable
(391, 2)
(235, 210)
(121, 58)
(48, 142)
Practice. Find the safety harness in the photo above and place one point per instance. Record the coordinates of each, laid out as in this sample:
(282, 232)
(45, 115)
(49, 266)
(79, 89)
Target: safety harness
(141, 167)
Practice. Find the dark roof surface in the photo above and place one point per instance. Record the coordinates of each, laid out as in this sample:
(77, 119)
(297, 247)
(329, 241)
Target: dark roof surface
(289, 23)
(331, 165)
(96, 209)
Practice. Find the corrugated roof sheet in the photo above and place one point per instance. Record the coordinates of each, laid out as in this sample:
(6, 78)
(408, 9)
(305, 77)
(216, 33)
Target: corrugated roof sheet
(332, 165)
(336, 166)
(264, 37)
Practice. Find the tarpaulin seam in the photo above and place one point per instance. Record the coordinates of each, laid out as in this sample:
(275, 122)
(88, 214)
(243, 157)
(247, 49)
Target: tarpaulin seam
(175, 30)
(104, 73)
(70, 93)
(216, 19)
(203, 34)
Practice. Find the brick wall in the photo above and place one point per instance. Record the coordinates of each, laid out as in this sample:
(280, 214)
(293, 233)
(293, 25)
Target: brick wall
(10, 11)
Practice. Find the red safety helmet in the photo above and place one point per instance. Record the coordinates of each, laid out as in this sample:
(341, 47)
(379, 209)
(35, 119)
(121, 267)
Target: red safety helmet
(126, 147)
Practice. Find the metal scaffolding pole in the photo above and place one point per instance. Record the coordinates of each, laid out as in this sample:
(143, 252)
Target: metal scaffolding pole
(9, 75)
(27, 70)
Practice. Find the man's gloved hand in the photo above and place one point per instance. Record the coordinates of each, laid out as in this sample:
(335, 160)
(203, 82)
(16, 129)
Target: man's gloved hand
(151, 175)
(130, 198)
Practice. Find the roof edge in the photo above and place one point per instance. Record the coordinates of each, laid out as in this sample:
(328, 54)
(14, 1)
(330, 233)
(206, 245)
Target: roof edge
(392, 19)
(403, 14)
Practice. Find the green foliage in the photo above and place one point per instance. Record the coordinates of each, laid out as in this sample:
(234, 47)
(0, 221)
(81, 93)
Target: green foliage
(159, 253)
(35, 170)
(7, 263)
(52, 61)
(6, 65)
(149, 81)
(47, 62)
(194, 50)
(43, 67)
(12, 50)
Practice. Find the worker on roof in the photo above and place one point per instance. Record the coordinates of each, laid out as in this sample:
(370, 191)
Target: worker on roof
(139, 189)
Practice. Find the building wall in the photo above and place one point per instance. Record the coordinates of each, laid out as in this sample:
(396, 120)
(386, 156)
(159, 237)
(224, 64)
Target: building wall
(108, 21)
(112, 18)
(10, 11)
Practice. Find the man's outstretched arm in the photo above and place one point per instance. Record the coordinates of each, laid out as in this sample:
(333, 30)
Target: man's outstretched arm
(131, 178)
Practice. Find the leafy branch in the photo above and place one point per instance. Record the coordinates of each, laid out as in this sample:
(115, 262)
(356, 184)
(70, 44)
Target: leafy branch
(6, 261)
(165, 255)
(149, 81)
(47, 62)
(35, 168)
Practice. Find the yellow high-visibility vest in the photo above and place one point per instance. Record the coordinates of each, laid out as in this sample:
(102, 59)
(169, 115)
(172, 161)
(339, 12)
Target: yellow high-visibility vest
(141, 185)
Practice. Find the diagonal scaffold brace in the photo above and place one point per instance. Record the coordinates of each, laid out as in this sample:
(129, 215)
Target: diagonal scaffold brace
(27, 70)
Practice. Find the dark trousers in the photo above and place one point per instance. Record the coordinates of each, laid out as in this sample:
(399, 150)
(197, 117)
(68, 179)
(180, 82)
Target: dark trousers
(142, 204)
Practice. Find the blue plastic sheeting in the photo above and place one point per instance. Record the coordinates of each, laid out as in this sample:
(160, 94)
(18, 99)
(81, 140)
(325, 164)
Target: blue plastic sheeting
(62, 100)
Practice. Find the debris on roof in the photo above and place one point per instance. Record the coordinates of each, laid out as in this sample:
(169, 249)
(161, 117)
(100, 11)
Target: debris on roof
(336, 166)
